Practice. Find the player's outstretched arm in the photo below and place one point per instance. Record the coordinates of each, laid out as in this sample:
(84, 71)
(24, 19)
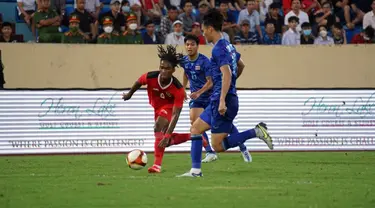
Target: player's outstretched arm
(134, 88)
(240, 67)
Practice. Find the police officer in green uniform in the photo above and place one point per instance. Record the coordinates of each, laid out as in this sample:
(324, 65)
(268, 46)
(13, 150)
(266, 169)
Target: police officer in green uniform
(131, 35)
(108, 36)
(47, 21)
(74, 35)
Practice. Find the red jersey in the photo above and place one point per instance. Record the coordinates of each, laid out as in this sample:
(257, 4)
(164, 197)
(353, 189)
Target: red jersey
(172, 95)
(358, 39)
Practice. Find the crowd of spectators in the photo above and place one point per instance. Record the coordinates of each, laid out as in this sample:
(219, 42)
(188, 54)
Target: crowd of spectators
(266, 22)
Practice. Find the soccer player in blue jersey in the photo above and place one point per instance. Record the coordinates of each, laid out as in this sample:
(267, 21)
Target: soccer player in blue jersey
(197, 70)
(223, 108)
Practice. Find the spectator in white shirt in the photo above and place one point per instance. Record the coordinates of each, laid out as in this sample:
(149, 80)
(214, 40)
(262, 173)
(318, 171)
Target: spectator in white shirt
(296, 11)
(369, 18)
(136, 7)
(176, 37)
(252, 15)
(323, 38)
(292, 36)
(26, 10)
(263, 8)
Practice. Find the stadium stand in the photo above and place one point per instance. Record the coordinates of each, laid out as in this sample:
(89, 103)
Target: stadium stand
(9, 13)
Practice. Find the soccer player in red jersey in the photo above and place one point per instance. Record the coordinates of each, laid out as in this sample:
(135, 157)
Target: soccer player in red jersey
(166, 95)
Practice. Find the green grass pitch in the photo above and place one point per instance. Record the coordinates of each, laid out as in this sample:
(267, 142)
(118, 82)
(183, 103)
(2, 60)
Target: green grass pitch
(315, 179)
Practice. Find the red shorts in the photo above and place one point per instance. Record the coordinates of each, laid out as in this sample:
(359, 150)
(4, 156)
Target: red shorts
(163, 112)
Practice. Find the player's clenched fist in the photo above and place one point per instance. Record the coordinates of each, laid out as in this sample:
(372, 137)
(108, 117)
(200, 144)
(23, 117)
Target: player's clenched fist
(126, 96)
(194, 95)
(222, 108)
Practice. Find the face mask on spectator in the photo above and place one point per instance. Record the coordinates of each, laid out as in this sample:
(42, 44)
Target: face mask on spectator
(307, 32)
(323, 33)
(133, 26)
(126, 9)
(73, 29)
(178, 33)
(108, 29)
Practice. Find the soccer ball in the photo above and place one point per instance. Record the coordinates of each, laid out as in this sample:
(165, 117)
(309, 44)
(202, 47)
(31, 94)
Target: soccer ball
(136, 159)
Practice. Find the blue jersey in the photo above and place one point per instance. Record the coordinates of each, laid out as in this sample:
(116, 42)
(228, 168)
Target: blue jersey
(223, 53)
(197, 71)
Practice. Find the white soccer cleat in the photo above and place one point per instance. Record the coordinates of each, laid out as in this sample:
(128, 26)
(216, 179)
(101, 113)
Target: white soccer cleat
(210, 157)
(262, 133)
(191, 175)
(247, 156)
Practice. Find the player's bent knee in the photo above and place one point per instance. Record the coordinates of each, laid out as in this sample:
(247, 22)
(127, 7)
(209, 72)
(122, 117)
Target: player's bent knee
(193, 117)
(194, 130)
(217, 147)
(191, 122)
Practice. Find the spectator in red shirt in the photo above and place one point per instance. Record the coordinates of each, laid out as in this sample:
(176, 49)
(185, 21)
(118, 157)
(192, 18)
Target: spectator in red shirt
(365, 37)
(310, 6)
(151, 9)
(287, 6)
(198, 32)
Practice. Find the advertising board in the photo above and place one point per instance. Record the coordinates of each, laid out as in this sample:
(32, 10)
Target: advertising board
(99, 121)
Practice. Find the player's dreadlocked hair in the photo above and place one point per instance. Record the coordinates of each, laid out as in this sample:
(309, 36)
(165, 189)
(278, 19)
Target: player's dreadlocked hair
(170, 54)
(214, 19)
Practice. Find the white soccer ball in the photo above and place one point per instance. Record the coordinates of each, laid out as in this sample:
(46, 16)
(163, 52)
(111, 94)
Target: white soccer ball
(136, 159)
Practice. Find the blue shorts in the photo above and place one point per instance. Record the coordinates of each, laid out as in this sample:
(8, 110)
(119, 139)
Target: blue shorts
(198, 104)
(219, 123)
